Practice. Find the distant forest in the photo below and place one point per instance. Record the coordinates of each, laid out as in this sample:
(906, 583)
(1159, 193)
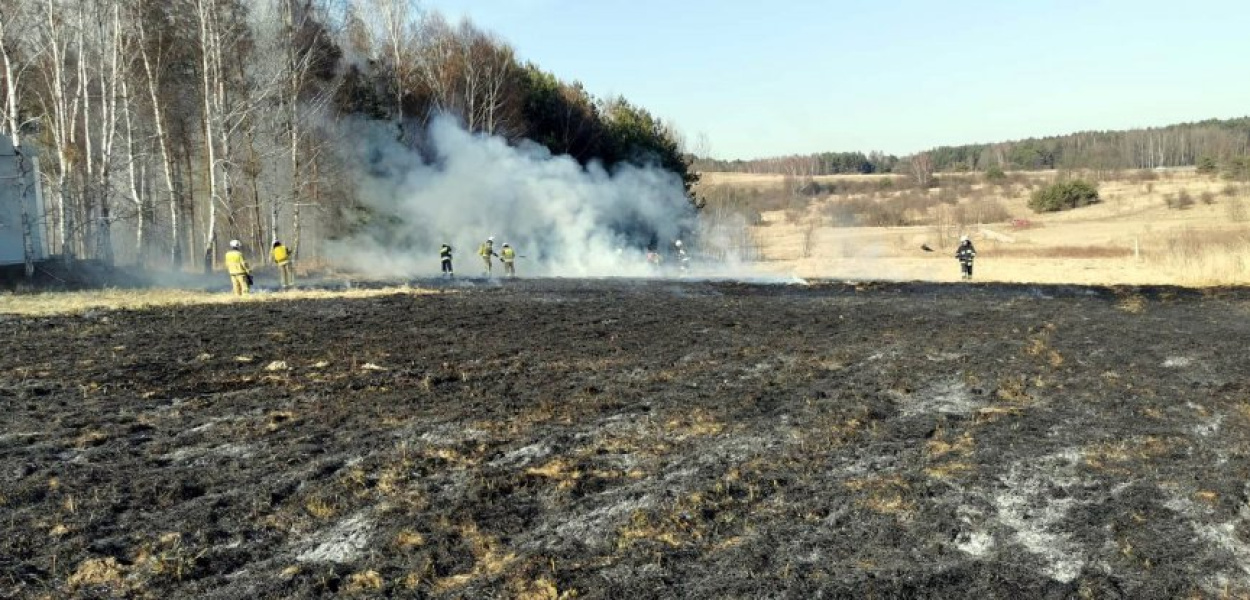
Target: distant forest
(1213, 141)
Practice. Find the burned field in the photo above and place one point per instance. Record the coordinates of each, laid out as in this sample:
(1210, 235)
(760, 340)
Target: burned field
(606, 439)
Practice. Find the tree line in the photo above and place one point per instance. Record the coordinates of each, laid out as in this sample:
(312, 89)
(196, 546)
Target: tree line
(805, 165)
(1213, 141)
(164, 127)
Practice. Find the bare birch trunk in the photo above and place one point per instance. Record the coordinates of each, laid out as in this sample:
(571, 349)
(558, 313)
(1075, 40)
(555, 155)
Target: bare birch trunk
(206, 62)
(158, 119)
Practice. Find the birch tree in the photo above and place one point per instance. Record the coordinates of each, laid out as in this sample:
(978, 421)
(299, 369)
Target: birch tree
(17, 54)
(210, 71)
(394, 28)
(60, 107)
(149, 51)
(107, 48)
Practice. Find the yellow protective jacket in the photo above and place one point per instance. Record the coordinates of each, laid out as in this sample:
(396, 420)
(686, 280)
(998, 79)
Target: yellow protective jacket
(486, 251)
(236, 264)
(280, 255)
(508, 254)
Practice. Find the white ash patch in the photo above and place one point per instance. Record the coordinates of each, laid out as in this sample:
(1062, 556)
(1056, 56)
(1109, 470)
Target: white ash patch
(342, 543)
(18, 436)
(522, 456)
(211, 423)
(1177, 362)
(739, 448)
(618, 424)
(973, 539)
(448, 435)
(1220, 535)
(1208, 427)
(222, 451)
(594, 526)
(764, 367)
(1032, 513)
(949, 397)
(977, 544)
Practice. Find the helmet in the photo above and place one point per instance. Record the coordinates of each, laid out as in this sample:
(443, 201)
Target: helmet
(506, 245)
(490, 239)
(235, 244)
(964, 239)
(678, 243)
(276, 243)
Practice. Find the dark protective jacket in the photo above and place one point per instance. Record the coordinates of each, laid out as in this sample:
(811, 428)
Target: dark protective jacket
(445, 252)
(966, 252)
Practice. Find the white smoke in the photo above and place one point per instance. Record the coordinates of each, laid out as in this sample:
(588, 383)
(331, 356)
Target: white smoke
(565, 219)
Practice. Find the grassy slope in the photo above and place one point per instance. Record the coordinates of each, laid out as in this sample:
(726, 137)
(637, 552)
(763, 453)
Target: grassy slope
(1132, 238)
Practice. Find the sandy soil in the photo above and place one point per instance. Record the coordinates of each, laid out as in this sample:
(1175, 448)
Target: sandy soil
(617, 439)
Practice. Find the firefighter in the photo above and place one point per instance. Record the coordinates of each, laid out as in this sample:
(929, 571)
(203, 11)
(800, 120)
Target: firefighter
(683, 260)
(240, 274)
(508, 257)
(444, 254)
(487, 250)
(653, 258)
(965, 253)
(282, 258)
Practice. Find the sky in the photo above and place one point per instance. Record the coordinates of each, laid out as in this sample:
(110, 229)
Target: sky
(749, 78)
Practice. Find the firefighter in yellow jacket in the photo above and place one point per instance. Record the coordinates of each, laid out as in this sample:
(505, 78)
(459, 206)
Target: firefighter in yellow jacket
(240, 274)
(282, 258)
(486, 251)
(508, 257)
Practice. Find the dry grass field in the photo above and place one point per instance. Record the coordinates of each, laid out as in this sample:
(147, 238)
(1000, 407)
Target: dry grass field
(1173, 227)
(97, 301)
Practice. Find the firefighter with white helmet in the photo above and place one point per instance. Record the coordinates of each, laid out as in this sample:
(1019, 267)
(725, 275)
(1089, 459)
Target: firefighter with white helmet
(486, 251)
(236, 265)
(965, 254)
(683, 260)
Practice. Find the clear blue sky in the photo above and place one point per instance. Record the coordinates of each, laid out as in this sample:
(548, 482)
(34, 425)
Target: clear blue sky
(768, 78)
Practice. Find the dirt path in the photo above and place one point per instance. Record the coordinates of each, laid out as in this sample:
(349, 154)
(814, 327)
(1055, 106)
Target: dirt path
(620, 439)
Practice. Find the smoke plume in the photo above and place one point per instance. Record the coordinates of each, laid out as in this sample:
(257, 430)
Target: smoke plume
(563, 218)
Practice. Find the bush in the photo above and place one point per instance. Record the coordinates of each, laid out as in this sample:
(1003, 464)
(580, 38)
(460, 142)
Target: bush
(995, 174)
(1064, 195)
(1207, 165)
(1238, 168)
(1180, 201)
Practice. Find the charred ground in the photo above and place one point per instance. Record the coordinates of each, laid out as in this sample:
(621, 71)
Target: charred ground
(609, 439)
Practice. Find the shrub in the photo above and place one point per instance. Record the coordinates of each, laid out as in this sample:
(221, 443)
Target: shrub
(1207, 198)
(1238, 168)
(1207, 165)
(995, 174)
(1064, 195)
(1180, 201)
